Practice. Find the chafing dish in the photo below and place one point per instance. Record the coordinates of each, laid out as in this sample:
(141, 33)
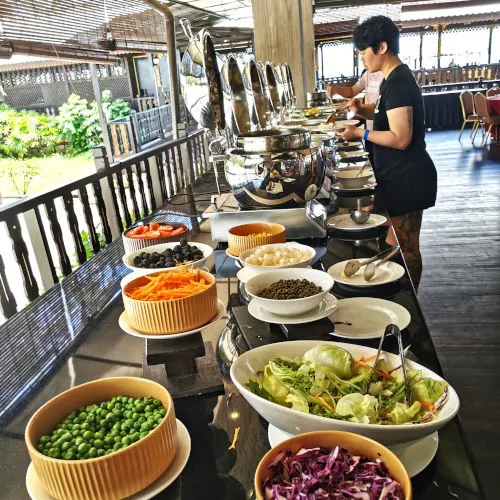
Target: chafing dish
(274, 140)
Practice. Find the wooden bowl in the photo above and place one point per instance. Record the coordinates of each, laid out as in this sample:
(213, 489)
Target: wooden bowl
(241, 238)
(354, 443)
(170, 316)
(134, 244)
(117, 475)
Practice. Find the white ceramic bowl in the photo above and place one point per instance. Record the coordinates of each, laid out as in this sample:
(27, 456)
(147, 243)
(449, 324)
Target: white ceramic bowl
(290, 307)
(128, 259)
(349, 180)
(246, 366)
(291, 244)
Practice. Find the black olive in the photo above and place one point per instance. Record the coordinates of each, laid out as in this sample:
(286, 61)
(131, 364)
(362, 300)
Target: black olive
(152, 266)
(183, 242)
(146, 262)
(159, 265)
(169, 263)
(178, 256)
(153, 257)
(137, 260)
(177, 249)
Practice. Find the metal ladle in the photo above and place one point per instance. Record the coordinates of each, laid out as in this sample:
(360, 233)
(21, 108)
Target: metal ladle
(353, 266)
(371, 268)
(360, 216)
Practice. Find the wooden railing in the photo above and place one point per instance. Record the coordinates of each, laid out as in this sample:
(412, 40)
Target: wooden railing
(53, 233)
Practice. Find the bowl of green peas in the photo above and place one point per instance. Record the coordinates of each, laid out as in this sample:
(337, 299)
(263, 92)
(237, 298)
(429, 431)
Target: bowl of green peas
(109, 438)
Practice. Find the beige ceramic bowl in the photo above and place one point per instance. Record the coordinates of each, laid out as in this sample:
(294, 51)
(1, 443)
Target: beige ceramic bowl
(241, 238)
(117, 475)
(354, 443)
(170, 316)
(134, 244)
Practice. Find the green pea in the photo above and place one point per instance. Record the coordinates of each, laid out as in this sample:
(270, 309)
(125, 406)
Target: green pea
(123, 433)
(91, 417)
(93, 452)
(111, 405)
(135, 437)
(83, 448)
(88, 435)
(157, 403)
(108, 452)
(145, 427)
(117, 439)
(162, 412)
(82, 416)
(69, 456)
(78, 441)
(137, 425)
(126, 440)
(100, 452)
(85, 426)
(98, 443)
(108, 440)
(44, 439)
(117, 446)
(66, 446)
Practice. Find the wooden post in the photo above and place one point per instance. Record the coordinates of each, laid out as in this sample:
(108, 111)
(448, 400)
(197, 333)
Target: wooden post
(489, 44)
(155, 81)
(420, 55)
(284, 32)
(102, 118)
(440, 31)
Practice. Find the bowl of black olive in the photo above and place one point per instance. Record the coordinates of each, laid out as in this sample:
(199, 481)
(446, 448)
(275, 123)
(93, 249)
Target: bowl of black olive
(168, 256)
(289, 292)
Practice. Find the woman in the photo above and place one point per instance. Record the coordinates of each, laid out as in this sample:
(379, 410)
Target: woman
(406, 175)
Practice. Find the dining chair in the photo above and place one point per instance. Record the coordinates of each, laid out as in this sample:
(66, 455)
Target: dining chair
(493, 91)
(487, 122)
(468, 112)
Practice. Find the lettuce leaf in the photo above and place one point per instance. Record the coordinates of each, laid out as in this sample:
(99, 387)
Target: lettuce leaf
(402, 414)
(363, 408)
(333, 359)
(427, 389)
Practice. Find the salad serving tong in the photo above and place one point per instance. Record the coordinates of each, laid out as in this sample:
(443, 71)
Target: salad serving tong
(393, 330)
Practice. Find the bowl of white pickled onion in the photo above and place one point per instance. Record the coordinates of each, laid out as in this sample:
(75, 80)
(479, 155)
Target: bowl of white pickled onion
(277, 256)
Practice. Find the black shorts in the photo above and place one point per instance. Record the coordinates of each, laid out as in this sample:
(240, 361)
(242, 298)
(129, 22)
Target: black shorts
(408, 192)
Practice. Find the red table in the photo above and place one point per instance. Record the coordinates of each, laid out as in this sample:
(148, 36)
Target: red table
(493, 104)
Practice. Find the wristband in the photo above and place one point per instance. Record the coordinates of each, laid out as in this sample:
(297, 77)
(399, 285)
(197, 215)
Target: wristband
(365, 135)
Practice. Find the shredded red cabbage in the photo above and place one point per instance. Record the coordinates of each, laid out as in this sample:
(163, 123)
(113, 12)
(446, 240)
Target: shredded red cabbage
(324, 474)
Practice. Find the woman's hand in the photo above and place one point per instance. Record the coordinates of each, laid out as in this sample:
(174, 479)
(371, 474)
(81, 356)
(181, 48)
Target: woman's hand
(351, 132)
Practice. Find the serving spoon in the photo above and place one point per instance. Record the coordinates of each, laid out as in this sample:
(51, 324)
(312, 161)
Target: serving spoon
(353, 266)
(371, 268)
(360, 216)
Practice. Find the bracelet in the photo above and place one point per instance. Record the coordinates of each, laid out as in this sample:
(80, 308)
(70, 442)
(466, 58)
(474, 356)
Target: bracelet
(365, 135)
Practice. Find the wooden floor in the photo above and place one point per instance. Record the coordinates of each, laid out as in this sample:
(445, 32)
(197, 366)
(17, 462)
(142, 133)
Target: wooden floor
(460, 288)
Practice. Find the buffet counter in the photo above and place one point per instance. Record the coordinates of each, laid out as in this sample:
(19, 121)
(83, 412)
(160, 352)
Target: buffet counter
(214, 471)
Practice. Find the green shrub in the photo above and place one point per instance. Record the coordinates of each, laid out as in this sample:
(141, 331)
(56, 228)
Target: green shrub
(79, 120)
(27, 134)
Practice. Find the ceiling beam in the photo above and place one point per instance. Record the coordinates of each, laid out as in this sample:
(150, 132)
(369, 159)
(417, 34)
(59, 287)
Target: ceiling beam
(446, 5)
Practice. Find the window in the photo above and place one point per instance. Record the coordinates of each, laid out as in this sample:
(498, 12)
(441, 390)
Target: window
(409, 49)
(337, 59)
(495, 45)
(461, 47)
(429, 50)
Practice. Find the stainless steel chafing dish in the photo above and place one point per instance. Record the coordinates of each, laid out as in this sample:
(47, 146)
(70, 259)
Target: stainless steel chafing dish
(200, 80)
(262, 175)
(258, 103)
(235, 97)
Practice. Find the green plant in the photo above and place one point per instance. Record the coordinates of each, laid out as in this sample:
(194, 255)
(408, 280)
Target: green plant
(21, 176)
(89, 252)
(27, 134)
(79, 119)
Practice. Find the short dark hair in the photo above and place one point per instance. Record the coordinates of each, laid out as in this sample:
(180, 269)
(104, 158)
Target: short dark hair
(374, 31)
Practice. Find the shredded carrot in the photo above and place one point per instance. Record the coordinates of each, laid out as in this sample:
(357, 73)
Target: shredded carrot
(235, 438)
(381, 373)
(171, 285)
(429, 406)
(324, 403)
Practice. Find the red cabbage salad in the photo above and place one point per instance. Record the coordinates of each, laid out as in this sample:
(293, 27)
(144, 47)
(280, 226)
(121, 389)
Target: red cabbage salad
(329, 474)
(329, 382)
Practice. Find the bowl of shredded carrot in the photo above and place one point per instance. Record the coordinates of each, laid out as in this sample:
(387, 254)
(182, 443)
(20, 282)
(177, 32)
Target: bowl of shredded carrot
(170, 301)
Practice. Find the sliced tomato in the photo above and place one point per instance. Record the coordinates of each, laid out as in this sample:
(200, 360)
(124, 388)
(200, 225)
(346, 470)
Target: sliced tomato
(154, 226)
(177, 231)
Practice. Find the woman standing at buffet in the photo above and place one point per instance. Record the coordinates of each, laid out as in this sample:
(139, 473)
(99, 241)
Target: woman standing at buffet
(406, 175)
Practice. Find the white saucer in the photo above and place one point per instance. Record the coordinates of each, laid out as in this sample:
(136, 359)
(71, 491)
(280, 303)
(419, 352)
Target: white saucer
(339, 187)
(245, 273)
(342, 123)
(125, 326)
(231, 255)
(415, 455)
(36, 491)
(345, 223)
(385, 273)
(325, 308)
(369, 317)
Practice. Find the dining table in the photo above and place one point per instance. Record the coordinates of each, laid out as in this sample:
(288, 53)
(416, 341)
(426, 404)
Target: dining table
(196, 371)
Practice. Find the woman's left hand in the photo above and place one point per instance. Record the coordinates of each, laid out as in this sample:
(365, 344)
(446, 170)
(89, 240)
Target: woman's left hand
(351, 132)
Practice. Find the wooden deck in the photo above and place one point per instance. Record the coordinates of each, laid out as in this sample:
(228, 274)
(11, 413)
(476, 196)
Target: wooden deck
(460, 288)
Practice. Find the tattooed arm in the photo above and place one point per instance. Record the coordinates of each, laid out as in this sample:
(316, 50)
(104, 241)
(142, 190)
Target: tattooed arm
(399, 134)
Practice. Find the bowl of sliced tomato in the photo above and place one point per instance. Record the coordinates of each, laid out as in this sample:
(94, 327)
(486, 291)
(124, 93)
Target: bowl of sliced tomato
(145, 235)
